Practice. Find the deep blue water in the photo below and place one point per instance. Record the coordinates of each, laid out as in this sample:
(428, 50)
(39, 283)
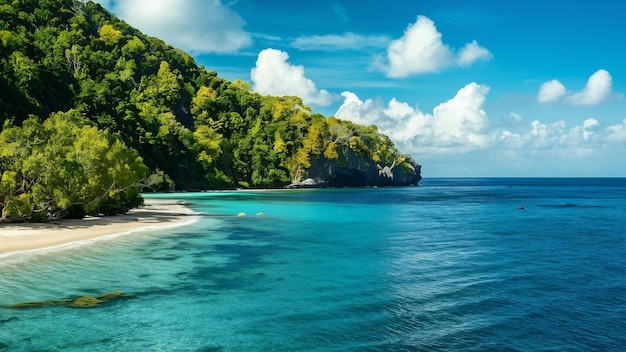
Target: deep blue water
(450, 265)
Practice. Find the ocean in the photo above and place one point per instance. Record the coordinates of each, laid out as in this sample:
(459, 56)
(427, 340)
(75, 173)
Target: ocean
(512, 264)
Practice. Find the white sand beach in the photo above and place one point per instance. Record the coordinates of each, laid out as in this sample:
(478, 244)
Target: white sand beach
(155, 213)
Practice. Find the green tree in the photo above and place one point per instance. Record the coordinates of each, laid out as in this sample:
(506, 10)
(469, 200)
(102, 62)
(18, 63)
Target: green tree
(208, 144)
(109, 35)
(65, 168)
(331, 152)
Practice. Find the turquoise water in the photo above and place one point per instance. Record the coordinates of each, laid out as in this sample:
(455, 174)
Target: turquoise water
(450, 265)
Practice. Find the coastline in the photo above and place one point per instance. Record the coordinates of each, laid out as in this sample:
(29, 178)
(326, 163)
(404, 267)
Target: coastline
(34, 237)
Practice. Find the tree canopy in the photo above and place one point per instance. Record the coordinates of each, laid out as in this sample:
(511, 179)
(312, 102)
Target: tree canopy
(65, 168)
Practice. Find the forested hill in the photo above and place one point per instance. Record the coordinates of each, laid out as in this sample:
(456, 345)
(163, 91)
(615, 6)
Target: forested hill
(73, 72)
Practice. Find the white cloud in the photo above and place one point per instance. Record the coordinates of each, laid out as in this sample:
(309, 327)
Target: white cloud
(555, 138)
(351, 41)
(398, 110)
(516, 117)
(368, 112)
(617, 133)
(551, 92)
(462, 120)
(596, 91)
(198, 26)
(589, 127)
(457, 125)
(539, 136)
(420, 50)
(584, 134)
(460, 126)
(273, 75)
(471, 53)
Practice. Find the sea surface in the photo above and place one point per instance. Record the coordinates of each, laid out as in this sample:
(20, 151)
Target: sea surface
(449, 265)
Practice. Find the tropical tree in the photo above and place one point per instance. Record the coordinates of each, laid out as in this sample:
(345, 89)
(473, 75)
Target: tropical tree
(64, 167)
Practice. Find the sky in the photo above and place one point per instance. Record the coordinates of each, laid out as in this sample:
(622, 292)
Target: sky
(469, 89)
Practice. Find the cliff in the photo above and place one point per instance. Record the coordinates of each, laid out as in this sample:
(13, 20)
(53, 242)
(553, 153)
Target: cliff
(354, 171)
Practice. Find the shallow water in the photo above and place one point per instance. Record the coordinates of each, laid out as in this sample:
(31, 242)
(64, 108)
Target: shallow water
(453, 264)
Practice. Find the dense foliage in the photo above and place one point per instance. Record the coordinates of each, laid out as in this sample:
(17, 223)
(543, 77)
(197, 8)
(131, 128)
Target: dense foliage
(63, 168)
(86, 74)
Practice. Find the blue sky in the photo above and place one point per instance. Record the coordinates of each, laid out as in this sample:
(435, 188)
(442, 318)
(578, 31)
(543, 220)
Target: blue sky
(470, 89)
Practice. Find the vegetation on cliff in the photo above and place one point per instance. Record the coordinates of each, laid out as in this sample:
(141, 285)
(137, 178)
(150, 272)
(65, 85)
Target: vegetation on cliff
(89, 106)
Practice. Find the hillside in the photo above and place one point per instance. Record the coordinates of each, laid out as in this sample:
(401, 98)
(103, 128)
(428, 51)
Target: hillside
(77, 64)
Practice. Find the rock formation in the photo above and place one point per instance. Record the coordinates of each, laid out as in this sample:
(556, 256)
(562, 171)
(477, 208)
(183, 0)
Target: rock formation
(353, 171)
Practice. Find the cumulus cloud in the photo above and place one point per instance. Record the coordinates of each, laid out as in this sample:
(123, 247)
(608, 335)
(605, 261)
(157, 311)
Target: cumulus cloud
(273, 75)
(617, 133)
(351, 41)
(596, 91)
(460, 126)
(588, 129)
(198, 26)
(457, 125)
(472, 52)
(421, 50)
(551, 92)
(555, 137)
(570, 150)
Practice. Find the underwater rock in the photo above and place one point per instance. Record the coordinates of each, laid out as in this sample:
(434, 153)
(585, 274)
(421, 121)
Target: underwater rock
(85, 302)
(41, 304)
(80, 302)
(113, 295)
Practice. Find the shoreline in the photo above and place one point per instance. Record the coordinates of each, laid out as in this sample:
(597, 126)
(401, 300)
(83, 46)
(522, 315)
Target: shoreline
(24, 238)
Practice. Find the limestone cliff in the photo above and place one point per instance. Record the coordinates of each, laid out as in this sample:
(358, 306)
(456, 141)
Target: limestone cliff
(351, 170)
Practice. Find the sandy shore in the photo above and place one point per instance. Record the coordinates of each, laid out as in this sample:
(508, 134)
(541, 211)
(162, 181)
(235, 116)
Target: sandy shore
(156, 213)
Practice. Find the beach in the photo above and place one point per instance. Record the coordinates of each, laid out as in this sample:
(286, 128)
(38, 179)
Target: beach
(155, 213)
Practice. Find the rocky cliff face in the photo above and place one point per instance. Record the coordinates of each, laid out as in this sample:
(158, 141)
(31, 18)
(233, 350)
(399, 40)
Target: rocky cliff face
(353, 171)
